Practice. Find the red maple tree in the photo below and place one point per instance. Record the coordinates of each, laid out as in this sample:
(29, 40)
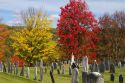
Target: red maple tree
(77, 29)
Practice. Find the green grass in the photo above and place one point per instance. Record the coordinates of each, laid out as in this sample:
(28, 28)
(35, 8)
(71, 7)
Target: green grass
(11, 78)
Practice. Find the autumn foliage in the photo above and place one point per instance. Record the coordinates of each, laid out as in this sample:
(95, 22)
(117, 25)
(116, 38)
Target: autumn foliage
(4, 34)
(77, 29)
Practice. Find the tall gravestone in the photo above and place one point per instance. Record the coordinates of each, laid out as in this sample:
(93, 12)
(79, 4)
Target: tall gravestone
(119, 64)
(28, 72)
(74, 76)
(107, 63)
(1, 66)
(16, 65)
(70, 70)
(52, 67)
(35, 71)
(95, 67)
(22, 70)
(11, 68)
(55, 65)
(112, 68)
(8, 66)
(14, 68)
(102, 67)
(63, 69)
(41, 70)
(85, 69)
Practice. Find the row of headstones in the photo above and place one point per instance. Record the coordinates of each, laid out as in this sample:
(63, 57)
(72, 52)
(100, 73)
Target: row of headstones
(14, 68)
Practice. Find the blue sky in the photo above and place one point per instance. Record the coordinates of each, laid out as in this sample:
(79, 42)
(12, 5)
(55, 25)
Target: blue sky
(9, 9)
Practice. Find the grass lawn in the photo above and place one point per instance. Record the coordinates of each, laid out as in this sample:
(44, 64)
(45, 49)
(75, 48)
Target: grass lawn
(10, 78)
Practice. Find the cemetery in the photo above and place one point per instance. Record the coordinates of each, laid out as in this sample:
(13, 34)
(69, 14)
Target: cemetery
(82, 48)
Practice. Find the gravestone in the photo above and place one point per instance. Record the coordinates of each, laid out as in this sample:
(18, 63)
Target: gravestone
(41, 70)
(112, 68)
(70, 70)
(16, 65)
(55, 65)
(63, 69)
(85, 69)
(52, 77)
(85, 64)
(22, 71)
(95, 77)
(95, 67)
(28, 72)
(14, 68)
(60, 65)
(119, 64)
(1, 66)
(112, 77)
(58, 71)
(102, 68)
(45, 69)
(52, 67)
(74, 76)
(35, 69)
(120, 78)
(107, 63)
(8, 66)
(122, 63)
(11, 68)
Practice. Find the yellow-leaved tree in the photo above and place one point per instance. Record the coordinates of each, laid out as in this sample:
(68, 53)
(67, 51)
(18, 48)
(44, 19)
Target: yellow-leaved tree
(32, 43)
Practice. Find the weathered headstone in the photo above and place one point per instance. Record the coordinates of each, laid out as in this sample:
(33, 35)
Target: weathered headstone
(85, 69)
(58, 71)
(52, 67)
(22, 71)
(112, 77)
(60, 65)
(16, 65)
(8, 66)
(70, 70)
(74, 77)
(85, 64)
(41, 70)
(95, 67)
(35, 71)
(55, 65)
(120, 78)
(102, 68)
(52, 77)
(28, 72)
(63, 69)
(45, 69)
(107, 63)
(95, 77)
(1, 66)
(14, 68)
(112, 68)
(119, 64)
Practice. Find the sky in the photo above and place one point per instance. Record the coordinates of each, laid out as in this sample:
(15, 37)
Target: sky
(10, 9)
